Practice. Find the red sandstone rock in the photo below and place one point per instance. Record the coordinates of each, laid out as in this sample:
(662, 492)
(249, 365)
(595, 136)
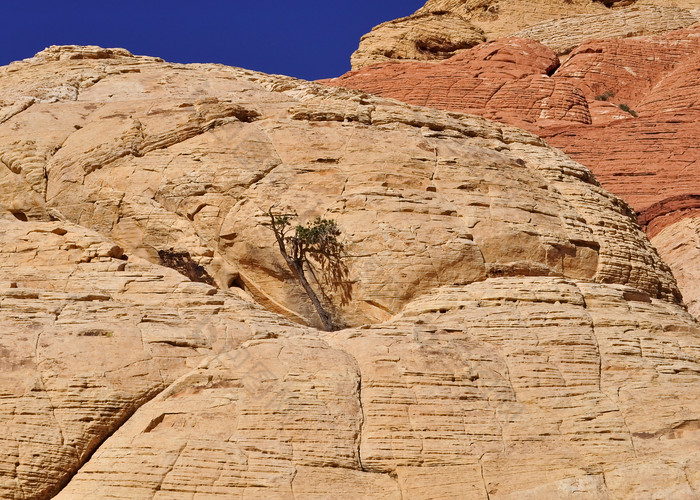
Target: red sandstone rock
(519, 335)
(505, 80)
(579, 107)
(648, 159)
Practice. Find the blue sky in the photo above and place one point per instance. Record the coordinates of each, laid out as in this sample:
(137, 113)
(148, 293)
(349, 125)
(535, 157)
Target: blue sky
(305, 38)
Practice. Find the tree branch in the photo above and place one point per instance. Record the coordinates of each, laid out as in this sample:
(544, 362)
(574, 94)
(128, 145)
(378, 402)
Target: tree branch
(299, 245)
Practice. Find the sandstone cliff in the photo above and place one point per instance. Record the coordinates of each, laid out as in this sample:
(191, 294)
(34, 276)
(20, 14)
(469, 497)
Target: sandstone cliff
(628, 109)
(511, 331)
(442, 28)
(679, 243)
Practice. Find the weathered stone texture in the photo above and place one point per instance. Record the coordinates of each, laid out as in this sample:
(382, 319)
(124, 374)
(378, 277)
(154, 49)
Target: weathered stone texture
(506, 80)
(428, 37)
(160, 167)
(442, 27)
(472, 390)
(512, 332)
(679, 245)
(564, 34)
(646, 157)
(87, 338)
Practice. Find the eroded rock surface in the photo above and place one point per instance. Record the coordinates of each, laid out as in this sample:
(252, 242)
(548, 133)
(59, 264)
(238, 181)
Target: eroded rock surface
(628, 108)
(88, 335)
(168, 159)
(564, 34)
(506, 80)
(474, 390)
(507, 316)
(679, 245)
(426, 37)
(442, 27)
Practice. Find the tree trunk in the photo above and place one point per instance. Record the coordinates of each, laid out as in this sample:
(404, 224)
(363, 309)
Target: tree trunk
(325, 317)
(298, 268)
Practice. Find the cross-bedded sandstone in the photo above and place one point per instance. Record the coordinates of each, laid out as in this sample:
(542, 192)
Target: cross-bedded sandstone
(625, 108)
(508, 315)
(443, 28)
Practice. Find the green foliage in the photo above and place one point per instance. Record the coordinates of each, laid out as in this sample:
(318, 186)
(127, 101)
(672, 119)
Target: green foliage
(318, 232)
(283, 220)
(626, 108)
(605, 95)
(317, 239)
(305, 246)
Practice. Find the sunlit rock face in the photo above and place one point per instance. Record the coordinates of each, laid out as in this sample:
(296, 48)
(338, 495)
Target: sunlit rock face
(442, 28)
(510, 329)
(189, 159)
(626, 108)
(679, 243)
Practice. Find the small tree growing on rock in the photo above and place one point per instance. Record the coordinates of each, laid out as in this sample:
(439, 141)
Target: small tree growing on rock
(301, 246)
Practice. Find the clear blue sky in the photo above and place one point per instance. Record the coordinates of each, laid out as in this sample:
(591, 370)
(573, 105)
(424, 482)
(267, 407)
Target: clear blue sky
(304, 38)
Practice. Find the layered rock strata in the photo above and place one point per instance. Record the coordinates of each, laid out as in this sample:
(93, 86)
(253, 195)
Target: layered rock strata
(506, 80)
(679, 243)
(425, 37)
(563, 35)
(443, 27)
(190, 167)
(626, 108)
(473, 391)
(511, 329)
(89, 334)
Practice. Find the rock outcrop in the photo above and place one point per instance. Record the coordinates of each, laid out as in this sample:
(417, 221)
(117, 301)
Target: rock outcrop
(473, 391)
(424, 37)
(164, 168)
(89, 334)
(511, 330)
(442, 27)
(626, 108)
(506, 80)
(564, 34)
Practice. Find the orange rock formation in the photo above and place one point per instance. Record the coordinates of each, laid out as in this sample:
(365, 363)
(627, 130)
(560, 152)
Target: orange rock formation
(645, 155)
(512, 332)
